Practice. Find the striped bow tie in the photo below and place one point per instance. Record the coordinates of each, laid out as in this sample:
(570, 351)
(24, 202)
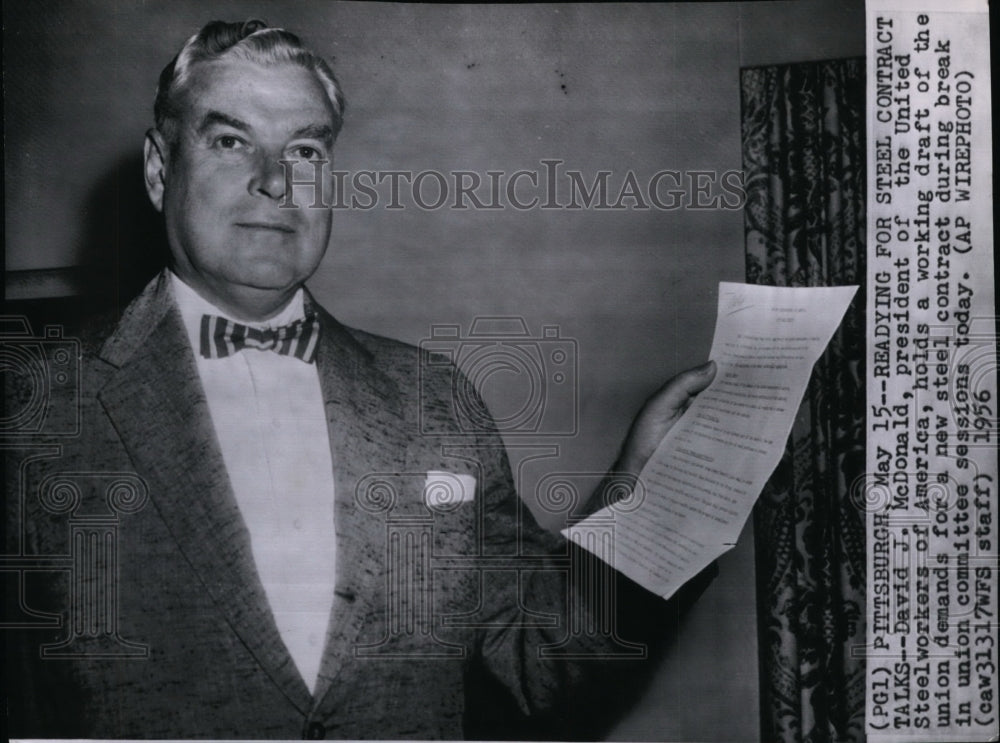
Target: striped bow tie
(221, 337)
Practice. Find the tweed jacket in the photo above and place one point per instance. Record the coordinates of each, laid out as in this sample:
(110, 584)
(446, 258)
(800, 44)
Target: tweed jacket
(142, 614)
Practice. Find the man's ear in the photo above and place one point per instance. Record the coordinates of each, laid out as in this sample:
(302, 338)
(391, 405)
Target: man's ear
(155, 160)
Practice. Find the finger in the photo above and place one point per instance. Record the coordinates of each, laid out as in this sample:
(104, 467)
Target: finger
(680, 390)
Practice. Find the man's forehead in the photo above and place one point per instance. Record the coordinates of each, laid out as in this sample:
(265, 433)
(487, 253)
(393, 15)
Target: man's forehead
(245, 90)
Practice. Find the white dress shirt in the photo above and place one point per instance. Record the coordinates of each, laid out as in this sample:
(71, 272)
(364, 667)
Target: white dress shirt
(270, 420)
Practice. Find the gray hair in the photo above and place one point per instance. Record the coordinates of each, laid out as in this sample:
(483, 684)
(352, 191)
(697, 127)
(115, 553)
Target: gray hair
(253, 41)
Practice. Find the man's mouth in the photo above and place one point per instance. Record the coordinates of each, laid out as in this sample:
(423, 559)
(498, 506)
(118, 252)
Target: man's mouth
(273, 226)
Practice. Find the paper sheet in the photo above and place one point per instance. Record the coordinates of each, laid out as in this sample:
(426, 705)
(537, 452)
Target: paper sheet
(696, 491)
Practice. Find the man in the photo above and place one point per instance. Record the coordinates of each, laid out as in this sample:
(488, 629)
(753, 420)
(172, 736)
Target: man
(265, 578)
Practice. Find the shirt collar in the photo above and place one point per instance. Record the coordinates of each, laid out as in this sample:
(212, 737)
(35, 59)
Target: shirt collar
(192, 306)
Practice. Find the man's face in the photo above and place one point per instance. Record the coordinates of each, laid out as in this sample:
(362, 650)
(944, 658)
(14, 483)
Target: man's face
(220, 185)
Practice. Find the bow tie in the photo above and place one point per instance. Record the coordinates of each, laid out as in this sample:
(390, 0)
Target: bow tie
(221, 337)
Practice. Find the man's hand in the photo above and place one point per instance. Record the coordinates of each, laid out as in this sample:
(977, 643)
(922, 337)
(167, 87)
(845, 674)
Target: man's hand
(659, 415)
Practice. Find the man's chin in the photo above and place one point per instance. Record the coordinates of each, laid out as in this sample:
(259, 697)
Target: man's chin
(270, 279)
(268, 295)
(254, 297)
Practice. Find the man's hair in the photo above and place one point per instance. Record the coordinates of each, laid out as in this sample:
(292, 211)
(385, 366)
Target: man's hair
(253, 41)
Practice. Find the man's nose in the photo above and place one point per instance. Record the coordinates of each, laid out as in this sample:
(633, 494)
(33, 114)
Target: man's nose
(268, 177)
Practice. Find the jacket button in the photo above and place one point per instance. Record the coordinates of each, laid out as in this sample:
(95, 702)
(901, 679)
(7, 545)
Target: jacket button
(314, 731)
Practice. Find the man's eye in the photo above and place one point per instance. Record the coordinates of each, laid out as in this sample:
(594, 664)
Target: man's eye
(228, 142)
(305, 152)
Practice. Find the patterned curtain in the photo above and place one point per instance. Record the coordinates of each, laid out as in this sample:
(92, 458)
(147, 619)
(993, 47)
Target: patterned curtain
(804, 164)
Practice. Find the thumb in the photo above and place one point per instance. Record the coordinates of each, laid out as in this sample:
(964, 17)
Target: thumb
(679, 391)
(660, 414)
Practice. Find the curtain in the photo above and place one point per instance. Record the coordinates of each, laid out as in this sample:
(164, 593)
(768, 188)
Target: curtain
(804, 168)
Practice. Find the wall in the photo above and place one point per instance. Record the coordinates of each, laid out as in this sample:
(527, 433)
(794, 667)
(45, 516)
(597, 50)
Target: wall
(638, 88)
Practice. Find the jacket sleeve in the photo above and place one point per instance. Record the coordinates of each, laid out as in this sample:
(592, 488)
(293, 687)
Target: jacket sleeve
(567, 641)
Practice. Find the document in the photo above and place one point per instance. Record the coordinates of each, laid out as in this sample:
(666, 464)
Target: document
(694, 495)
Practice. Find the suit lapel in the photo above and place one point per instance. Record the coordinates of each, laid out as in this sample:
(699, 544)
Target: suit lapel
(368, 436)
(155, 401)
